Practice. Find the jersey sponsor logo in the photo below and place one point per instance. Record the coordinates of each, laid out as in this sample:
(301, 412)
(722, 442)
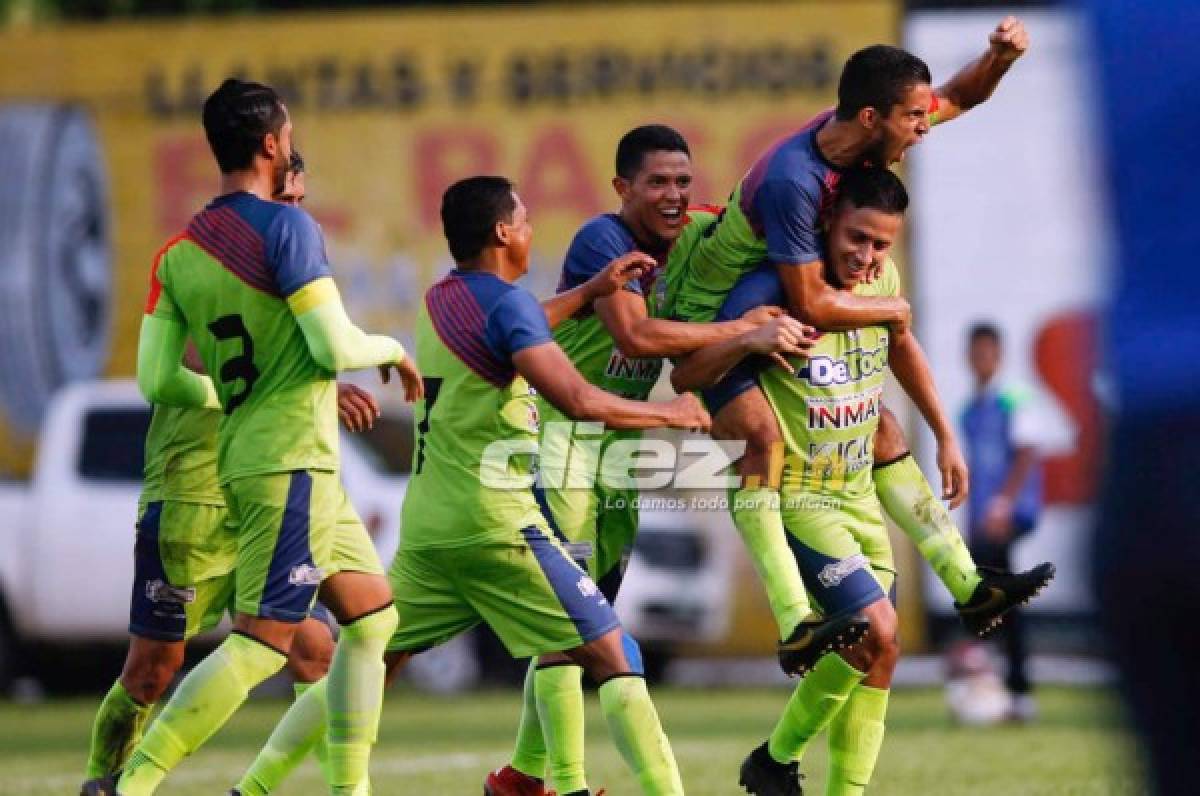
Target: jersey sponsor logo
(858, 364)
(159, 591)
(306, 575)
(623, 367)
(843, 411)
(832, 458)
(831, 575)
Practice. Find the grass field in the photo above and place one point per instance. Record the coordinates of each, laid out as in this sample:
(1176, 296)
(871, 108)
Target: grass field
(435, 745)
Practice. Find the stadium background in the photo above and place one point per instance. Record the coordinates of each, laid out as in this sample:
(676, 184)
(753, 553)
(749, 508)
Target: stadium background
(98, 115)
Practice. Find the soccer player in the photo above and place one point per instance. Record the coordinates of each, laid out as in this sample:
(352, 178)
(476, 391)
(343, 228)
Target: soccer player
(828, 408)
(472, 552)
(617, 346)
(248, 282)
(885, 105)
(183, 582)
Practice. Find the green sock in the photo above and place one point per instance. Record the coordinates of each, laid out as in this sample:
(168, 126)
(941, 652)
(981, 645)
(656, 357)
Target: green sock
(909, 501)
(355, 697)
(855, 737)
(559, 692)
(812, 706)
(301, 730)
(640, 739)
(116, 731)
(529, 756)
(757, 518)
(204, 701)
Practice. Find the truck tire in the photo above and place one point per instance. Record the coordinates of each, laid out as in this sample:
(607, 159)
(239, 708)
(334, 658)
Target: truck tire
(55, 256)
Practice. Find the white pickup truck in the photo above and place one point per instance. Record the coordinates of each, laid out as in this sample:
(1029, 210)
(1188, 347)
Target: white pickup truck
(66, 535)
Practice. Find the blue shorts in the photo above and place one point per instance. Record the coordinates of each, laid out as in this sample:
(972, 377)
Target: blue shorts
(759, 288)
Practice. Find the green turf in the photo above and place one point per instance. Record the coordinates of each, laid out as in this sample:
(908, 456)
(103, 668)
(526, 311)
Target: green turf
(432, 745)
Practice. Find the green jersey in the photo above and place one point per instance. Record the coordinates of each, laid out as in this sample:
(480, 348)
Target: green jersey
(829, 410)
(477, 427)
(181, 457)
(228, 278)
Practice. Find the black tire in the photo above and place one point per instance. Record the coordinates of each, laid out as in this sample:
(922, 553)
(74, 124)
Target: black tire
(10, 651)
(55, 256)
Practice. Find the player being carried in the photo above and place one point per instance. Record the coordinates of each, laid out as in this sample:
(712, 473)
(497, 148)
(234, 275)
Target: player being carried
(828, 407)
(885, 105)
(617, 345)
(248, 282)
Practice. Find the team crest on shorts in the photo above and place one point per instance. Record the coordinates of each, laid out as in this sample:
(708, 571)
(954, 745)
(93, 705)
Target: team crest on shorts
(306, 575)
(832, 575)
(159, 591)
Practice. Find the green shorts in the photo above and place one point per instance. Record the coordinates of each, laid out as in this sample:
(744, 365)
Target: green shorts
(599, 526)
(183, 570)
(842, 549)
(293, 530)
(535, 598)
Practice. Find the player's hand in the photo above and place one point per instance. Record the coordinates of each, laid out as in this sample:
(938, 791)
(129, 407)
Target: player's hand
(953, 467)
(687, 412)
(618, 273)
(762, 315)
(1009, 40)
(410, 377)
(357, 408)
(780, 338)
(903, 322)
(997, 519)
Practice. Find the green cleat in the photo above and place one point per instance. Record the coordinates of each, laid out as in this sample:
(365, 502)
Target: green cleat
(761, 775)
(998, 593)
(814, 637)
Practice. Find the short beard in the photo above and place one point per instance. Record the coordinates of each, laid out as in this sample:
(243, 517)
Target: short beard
(279, 175)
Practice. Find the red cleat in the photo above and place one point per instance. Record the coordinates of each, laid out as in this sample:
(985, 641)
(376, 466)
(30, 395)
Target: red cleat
(508, 781)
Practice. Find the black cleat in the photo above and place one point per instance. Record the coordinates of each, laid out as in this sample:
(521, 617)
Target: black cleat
(762, 776)
(102, 786)
(999, 593)
(812, 638)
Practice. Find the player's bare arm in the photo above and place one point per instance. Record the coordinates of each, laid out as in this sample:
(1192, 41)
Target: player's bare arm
(976, 81)
(781, 337)
(638, 335)
(609, 281)
(813, 300)
(911, 369)
(549, 371)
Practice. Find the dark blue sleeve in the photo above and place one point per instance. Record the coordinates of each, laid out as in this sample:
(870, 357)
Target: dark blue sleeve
(789, 210)
(594, 246)
(516, 322)
(295, 250)
(759, 288)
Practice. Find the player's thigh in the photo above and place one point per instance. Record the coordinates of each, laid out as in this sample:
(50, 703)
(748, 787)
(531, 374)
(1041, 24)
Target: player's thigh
(286, 524)
(871, 533)
(355, 583)
(430, 607)
(747, 415)
(890, 443)
(530, 592)
(177, 591)
(837, 572)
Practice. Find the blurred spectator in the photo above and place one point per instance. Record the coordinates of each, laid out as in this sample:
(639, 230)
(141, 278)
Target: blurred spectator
(1002, 429)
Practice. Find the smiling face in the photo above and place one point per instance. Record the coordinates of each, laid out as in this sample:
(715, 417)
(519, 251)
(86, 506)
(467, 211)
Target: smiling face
(655, 201)
(905, 124)
(293, 192)
(858, 238)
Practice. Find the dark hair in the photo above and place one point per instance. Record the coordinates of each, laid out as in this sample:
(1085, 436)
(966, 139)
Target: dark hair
(471, 208)
(237, 116)
(877, 77)
(878, 189)
(296, 163)
(984, 330)
(640, 141)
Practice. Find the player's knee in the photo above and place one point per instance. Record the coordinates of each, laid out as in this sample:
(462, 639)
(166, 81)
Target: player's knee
(890, 442)
(883, 640)
(375, 627)
(148, 674)
(311, 654)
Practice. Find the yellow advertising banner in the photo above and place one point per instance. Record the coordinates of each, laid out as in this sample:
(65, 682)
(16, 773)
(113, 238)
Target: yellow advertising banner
(107, 159)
